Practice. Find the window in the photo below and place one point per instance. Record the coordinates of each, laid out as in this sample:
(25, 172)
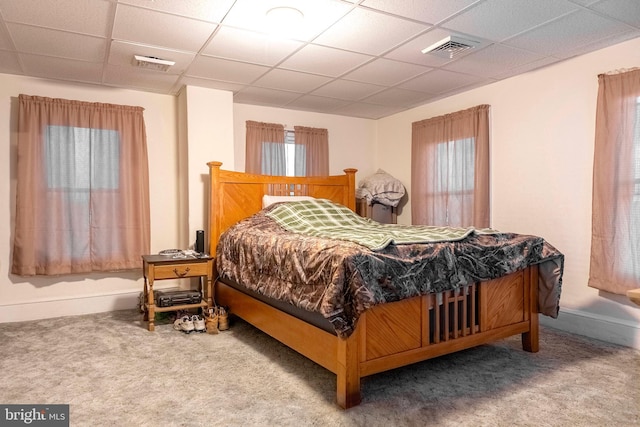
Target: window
(82, 197)
(450, 169)
(454, 180)
(286, 158)
(632, 262)
(272, 150)
(294, 155)
(615, 239)
(79, 161)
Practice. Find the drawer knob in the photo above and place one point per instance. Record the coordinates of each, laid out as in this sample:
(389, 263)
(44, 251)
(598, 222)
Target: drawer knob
(186, 270)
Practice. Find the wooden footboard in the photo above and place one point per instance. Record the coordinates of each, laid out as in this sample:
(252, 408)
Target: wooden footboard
(404, 332)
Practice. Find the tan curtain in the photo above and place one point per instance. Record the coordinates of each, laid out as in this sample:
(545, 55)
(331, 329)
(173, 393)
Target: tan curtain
(265, 151)
(312, 151)
(615, 233)
(450, 169)
(82, 197)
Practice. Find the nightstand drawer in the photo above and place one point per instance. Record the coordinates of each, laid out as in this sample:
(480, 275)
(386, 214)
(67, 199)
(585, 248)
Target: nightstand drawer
(176, 271)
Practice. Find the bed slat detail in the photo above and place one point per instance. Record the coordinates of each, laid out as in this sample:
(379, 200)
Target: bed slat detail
(452, 314)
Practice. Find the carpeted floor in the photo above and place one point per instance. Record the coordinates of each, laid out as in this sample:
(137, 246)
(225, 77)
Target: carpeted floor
(113, 372)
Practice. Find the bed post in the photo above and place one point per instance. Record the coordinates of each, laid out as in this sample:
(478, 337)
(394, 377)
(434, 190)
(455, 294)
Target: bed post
(351, 191)
(348, 371)
(214, 224)
(530, 340)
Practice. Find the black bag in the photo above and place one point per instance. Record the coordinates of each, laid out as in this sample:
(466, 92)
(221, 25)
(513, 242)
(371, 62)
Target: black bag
(170, 298)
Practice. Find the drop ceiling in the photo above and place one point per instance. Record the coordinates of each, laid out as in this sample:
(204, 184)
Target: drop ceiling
(354, 58)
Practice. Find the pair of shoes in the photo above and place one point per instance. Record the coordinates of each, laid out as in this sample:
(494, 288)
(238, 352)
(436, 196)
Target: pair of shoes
(211, 321)
(184, 324)
(198, 323)
(188, 324)
(223, 319)
(216, 319)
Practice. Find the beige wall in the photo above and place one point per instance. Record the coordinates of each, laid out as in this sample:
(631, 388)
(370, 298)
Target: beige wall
(206, 134)
(542, 136)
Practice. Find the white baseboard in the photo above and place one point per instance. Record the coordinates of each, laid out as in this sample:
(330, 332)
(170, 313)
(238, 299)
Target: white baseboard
(72, 306)
(604, 328)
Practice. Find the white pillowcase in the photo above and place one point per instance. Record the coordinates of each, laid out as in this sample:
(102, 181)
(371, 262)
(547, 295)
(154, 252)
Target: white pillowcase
(269, 200)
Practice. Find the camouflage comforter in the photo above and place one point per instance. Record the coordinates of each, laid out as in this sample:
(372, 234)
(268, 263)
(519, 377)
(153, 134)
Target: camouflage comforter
(341, 279)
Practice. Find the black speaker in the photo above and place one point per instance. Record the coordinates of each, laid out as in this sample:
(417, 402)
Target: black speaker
(199, 241)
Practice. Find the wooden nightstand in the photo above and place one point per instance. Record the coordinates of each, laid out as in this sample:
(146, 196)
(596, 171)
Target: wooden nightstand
(159, 267)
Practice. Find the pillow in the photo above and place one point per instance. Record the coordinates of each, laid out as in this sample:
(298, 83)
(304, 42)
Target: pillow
(269, 200)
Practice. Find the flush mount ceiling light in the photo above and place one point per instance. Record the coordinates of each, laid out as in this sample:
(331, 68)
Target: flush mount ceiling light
(450, 47)
(284, 21)
(284, 15)
(152, 63)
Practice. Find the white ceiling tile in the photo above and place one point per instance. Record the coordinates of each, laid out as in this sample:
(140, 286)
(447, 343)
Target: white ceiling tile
(155, 81)
(291, 80)
(206, 10)
(261, 96)
(386, 72)
(585, 2)
(212, 84)
(5, 41)
(248, 46)
(160, 29)
(347, 90)
(493, 60)
(568, 33)
(624, 10)
(398, 97)
(317, 103)
(9, 63)
(441, 81)
(499, 19)
(61, 69)
(432, 11)
(222, 69)
(82, 16)
(324, 60)
(530, 66)
(367, 111)
(369, 32)
(122, 53)
(600, 44)
(43, 41)
(318, 15)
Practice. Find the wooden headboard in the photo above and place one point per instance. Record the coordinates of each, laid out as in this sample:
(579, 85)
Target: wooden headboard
(238, 195)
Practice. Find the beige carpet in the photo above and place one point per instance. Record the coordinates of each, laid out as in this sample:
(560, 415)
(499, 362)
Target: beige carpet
(113, 372)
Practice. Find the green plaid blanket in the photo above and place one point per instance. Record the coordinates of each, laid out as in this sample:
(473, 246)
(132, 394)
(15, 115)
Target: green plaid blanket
(323, 218)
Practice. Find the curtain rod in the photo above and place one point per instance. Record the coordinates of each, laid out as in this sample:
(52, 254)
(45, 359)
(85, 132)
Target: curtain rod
(618, 71)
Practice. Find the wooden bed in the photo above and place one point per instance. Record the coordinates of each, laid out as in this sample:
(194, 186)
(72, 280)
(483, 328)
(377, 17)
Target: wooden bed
(389, 335)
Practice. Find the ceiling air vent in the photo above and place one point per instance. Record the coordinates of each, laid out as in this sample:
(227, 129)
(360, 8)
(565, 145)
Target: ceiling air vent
(450, 47)
(152, 63)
